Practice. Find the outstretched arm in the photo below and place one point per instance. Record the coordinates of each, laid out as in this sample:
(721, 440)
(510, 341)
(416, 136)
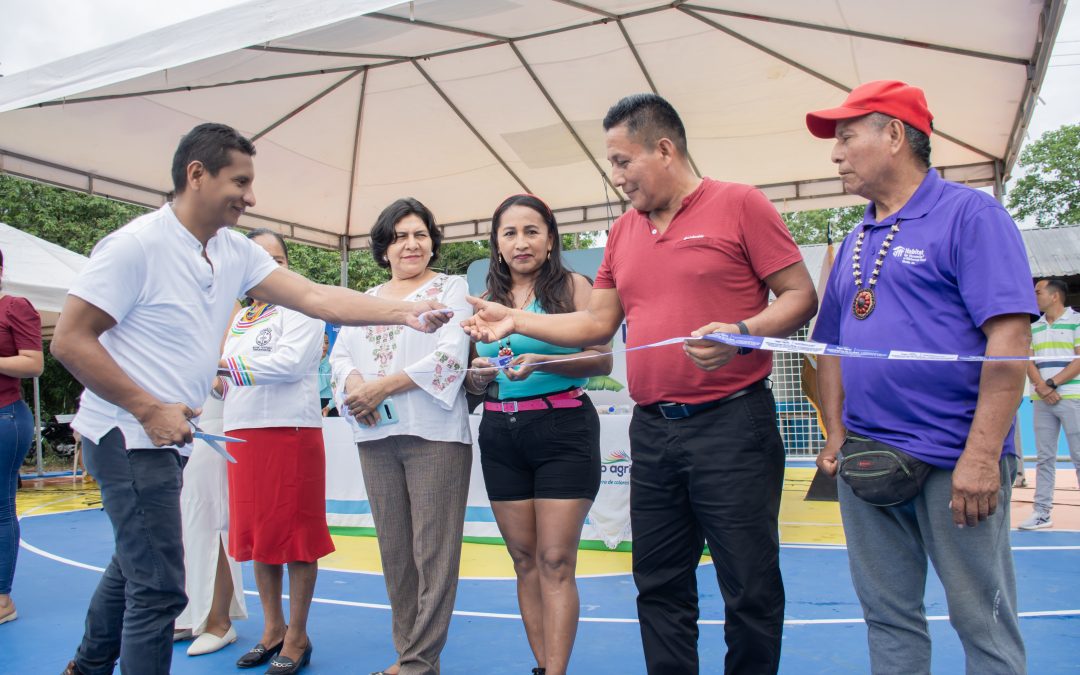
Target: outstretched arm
(594, 325)
(344, 306)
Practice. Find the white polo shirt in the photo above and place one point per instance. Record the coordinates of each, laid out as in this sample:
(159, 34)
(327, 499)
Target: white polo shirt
(171, 310)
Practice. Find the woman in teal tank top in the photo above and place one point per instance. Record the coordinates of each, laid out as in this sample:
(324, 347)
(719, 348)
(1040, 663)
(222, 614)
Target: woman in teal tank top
(540, 435)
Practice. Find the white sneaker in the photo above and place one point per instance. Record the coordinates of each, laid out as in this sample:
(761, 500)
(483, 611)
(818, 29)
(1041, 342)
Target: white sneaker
(1037, 521)
(208, 643)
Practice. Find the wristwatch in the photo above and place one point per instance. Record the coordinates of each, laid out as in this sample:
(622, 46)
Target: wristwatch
(745, 331)
(1050, 383)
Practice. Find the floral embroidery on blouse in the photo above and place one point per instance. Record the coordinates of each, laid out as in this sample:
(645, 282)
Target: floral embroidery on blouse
(447, 370)
(384, 341)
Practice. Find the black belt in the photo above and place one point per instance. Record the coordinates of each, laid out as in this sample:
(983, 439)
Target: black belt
(677, 411)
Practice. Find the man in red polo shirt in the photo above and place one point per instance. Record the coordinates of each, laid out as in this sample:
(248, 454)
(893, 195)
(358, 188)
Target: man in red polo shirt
(693, 256)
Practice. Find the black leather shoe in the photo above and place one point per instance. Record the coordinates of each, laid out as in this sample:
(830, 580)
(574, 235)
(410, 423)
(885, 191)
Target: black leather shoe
(283, 665)
(539, 671)
(258, 655)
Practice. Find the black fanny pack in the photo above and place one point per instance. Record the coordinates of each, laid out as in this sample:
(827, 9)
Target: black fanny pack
(880, 474)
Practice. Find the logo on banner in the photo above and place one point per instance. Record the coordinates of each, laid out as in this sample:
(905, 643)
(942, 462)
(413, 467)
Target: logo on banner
(615, 468)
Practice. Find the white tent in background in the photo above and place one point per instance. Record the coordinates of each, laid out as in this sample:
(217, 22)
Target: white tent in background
(353, 103)
(41, 272)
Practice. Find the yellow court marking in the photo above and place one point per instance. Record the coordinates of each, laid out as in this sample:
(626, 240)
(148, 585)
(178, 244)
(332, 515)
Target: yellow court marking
(56, 495)
(801, 522)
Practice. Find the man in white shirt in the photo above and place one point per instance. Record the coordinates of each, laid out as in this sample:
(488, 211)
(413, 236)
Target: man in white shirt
(141, 329)
(1055, 380)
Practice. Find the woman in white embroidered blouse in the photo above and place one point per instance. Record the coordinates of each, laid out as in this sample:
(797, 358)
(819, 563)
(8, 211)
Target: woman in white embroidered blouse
(403, 390)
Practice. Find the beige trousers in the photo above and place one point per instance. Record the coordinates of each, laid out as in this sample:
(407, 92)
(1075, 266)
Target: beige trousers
(418, 490)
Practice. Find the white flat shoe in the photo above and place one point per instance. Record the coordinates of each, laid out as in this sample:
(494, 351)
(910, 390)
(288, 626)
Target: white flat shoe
(208, 643)
(9, 617)
(181, 635)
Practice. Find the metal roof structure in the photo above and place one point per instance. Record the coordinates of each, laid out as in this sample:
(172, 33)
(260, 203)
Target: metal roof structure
(459, 103)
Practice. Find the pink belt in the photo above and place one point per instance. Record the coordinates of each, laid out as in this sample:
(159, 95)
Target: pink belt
(566, 399)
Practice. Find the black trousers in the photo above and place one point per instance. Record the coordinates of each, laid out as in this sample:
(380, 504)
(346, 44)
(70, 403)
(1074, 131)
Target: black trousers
(715, 477)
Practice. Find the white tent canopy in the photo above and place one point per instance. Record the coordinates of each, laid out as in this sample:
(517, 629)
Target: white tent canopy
(39, 271)
(354, 103)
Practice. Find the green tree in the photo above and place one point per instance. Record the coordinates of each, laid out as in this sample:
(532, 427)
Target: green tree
(814, 227)
(70, 219)
(1049, 191)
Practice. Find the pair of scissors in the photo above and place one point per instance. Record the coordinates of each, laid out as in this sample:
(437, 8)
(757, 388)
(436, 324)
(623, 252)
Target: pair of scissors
(214, 441)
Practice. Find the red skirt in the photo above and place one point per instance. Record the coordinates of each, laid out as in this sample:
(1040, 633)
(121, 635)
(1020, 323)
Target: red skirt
(277, 496)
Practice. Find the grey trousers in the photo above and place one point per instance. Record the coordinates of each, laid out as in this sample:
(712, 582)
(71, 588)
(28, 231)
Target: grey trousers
(418, 490)
(888, 549)
(1049, 420)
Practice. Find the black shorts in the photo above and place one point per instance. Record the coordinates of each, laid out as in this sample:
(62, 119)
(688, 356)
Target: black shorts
(541, 454)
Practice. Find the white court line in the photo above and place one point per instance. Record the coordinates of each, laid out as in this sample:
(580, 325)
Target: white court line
(517, 617)
(584, 619)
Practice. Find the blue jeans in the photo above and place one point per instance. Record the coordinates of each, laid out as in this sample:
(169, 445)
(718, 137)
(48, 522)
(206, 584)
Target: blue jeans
(141, 593)
(16, 435)
(888, 550)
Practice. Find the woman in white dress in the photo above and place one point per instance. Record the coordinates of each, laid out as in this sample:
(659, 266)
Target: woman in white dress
(403, 388)
(214, 584)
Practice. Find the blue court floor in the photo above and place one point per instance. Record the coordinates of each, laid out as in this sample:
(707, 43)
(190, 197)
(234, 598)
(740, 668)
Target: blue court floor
(63, 553)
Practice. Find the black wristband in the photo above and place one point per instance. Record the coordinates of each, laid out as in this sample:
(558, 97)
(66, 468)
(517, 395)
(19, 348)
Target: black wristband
(741, 351)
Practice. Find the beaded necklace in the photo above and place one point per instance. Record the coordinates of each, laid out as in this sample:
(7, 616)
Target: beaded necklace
(865, 300)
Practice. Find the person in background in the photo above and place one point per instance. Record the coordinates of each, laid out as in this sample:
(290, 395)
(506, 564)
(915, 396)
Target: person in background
(326, 381)
(212, 578)
(416, 465)
(20, 357)
(277, 487)
(1055, 339)
(540, 434)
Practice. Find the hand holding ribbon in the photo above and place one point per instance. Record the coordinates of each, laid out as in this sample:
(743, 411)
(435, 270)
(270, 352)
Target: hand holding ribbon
(710, 354)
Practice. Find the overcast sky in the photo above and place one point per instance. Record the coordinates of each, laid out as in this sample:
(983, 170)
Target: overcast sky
(33, 32)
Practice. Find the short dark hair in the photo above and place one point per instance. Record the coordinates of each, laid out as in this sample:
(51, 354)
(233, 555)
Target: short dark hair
(648, 117)
(917, 141)
(1058, 286)
(209, 144)
(262, 231)
(382, 234)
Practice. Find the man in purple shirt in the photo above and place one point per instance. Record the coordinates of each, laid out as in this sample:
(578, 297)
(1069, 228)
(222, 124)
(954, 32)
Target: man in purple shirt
(934, 267)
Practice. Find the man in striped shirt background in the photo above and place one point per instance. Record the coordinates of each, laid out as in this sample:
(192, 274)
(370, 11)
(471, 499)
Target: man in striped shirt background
(1055, 339)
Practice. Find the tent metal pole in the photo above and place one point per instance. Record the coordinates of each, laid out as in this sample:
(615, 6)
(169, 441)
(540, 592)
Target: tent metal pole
(37, 427)
(344, 249)
(999, 182)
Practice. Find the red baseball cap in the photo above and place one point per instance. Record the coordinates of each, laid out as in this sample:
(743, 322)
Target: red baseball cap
(889, 97)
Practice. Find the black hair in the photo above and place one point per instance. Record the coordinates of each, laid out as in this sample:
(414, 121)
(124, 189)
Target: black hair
(1058, 286)
(917, 141)
(209, 144)
(649, 118)
(382, 233)
(261, 231)
(554, 288)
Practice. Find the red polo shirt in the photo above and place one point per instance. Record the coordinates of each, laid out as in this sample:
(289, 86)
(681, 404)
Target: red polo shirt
(707, 266)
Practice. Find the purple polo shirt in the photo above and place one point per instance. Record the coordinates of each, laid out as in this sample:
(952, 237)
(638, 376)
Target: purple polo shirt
(957, 261)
